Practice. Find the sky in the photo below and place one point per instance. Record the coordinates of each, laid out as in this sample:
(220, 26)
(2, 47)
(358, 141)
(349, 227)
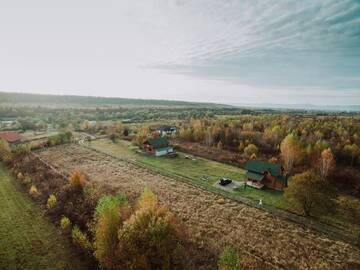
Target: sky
(224, 51)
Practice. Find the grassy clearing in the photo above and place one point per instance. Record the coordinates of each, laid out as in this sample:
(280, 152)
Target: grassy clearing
(195, 170)
(27, 240)
(36, 135)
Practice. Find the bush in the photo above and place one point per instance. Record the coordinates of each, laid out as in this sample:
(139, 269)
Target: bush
(351, 208)
(65, 224)
(229, 259)
(33, 191)
(5, 152)
(110, 214)
(80, 239)
(151, 237)
(20, 176)
(51, 202)
(78, 179)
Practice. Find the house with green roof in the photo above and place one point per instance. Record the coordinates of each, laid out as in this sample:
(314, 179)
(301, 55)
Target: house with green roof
(261, 173)
(158, 146)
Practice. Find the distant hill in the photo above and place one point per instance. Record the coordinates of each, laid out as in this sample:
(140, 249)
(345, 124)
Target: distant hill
(306, 107)
(91, 101)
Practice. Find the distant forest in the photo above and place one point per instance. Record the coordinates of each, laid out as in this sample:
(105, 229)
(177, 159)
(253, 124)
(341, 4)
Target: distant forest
(66, 101)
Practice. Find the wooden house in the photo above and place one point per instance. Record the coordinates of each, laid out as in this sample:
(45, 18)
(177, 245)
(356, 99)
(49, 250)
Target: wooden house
(165, 130)
(261, 173)
(158, 146)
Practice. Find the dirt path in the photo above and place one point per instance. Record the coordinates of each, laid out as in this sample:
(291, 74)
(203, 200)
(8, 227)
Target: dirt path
(219, 221)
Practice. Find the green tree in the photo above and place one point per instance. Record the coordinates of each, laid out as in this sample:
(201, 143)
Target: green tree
(310, 193)
(229, 259)
(110, 214)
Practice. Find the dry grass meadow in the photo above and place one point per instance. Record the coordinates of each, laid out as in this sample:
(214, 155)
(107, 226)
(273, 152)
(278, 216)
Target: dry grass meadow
(213, 221)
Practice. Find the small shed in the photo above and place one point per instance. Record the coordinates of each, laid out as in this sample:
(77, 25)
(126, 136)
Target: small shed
(261, 173)
(10, 137)
(158, 146)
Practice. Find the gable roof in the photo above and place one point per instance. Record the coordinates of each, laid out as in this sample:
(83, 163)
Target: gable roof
(258, 166)
(10, 136)
(158, 142)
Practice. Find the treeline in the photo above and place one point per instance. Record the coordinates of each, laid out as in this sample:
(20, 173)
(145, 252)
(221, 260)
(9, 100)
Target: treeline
(273, 137)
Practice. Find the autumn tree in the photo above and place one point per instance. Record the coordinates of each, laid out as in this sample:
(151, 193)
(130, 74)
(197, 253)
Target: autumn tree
(78, 179)
(110, 213)
(250, 150)
(290, 151)
(326, 163)
(151, 238)
(352, 150)
(310, 193)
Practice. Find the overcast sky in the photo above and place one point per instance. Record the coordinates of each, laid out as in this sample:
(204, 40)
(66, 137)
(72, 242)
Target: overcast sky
(229, 51)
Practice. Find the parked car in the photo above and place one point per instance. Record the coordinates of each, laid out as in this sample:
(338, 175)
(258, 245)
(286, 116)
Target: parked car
(224, 181)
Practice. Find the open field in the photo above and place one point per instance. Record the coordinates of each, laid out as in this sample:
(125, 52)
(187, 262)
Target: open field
(37, 135)
(211, 218)
(195, 170)
(27, 240)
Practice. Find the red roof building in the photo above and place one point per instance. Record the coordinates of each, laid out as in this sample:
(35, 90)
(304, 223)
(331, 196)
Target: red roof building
(10, 137)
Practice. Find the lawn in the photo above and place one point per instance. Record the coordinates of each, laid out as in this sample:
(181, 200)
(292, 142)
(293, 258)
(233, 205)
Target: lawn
(30, 135)
(194, 170)
(27, 239)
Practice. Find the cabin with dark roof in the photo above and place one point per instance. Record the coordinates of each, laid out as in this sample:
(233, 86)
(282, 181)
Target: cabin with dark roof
(158, 147)
(165, 130)
(261, 173)
(10, 137)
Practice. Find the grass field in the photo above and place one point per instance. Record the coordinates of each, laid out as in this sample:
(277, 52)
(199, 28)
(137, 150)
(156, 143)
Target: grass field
(27, 240)
(34, 135)
(192, 169)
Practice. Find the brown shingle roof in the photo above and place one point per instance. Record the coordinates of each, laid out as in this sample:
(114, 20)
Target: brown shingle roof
(10, 137)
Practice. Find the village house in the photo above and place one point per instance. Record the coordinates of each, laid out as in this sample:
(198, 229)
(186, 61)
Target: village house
(261, 173)
(158, 147)
(165, 130)
(10, 137)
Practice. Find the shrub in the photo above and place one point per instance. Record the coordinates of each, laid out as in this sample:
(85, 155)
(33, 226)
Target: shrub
(80, 239)
(229, 259)
(33, 191)
(51, 202)
(20, 176)
(351, 208)
(110, 213)
(65, 224)
(78, 179)
(151, 237)
(5, 151)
